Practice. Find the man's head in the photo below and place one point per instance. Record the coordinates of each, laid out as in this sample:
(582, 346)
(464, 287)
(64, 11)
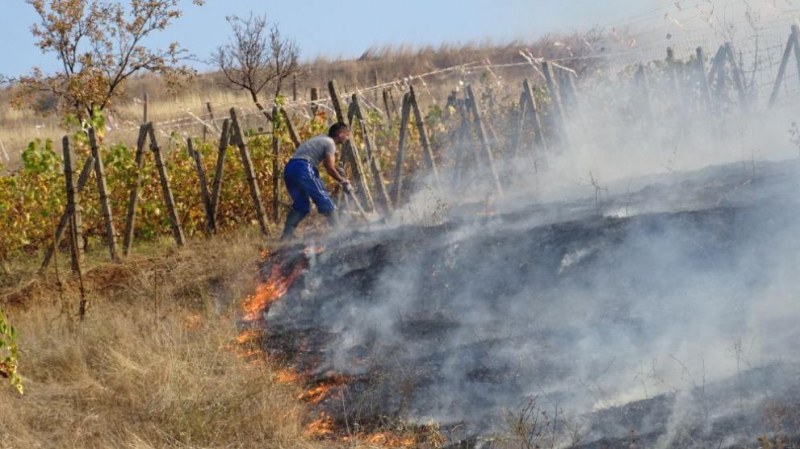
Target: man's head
(339, 132)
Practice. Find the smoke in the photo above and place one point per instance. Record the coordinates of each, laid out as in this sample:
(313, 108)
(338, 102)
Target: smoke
(646, 281)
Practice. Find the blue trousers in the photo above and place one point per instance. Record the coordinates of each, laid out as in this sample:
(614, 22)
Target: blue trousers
(303, 183)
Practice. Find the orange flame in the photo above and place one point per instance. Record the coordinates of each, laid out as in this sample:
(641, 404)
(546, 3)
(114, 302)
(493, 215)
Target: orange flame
(321, 427)
(247, 336)
(321, 392)
(387, 439)
(267, 293)
(287, 376)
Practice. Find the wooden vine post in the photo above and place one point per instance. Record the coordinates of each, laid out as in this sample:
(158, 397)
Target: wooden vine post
(290, 128)
(538, 133)
(795, 36)
(461, 141)
(224, 142)
(73, 205)
(314, 95)
(738, 80)
(386, 105)
(255, 193)
(717, 76)
(66, 217)
(276, 167)
(383, 199)
(567, 91)
(556, 108)
(350, 153)
(791, 45)
(133, 199)
(482, 136)
(169, 199)
(427, 152)
(701, 76)
(520, 128)
(203, 183)
(642, 91)
(397, 185)
(147, 132)
(102, 187)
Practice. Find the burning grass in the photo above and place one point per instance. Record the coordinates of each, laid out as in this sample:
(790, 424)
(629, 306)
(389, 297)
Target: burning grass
(276, 285)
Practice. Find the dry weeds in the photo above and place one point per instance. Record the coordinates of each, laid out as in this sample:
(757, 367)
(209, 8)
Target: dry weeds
(153, 365)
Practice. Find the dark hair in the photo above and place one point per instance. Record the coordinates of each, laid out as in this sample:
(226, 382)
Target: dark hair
(335, 129)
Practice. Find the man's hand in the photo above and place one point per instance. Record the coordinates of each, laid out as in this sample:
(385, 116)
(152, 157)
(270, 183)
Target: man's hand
(346, 186)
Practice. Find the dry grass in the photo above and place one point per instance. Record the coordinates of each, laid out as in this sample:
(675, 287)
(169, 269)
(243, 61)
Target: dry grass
(153, 365)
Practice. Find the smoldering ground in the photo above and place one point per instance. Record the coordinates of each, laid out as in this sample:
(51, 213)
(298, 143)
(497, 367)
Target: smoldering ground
(643, 287)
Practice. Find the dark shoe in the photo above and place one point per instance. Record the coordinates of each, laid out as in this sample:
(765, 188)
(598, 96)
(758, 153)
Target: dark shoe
(292, 220)
(333, 219)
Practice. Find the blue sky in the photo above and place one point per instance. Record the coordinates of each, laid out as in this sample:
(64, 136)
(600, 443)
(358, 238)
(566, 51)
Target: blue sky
(349, 27)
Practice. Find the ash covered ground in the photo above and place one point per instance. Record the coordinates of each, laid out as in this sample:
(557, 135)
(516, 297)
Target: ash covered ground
(664, 316)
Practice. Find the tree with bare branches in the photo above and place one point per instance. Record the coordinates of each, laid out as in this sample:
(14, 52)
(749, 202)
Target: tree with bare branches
(100, 45)
(256, 58)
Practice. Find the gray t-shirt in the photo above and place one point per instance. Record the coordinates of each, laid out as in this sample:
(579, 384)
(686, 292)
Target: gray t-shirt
(315, 149)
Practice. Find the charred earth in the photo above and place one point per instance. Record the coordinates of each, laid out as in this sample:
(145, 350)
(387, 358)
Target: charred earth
(660, 317)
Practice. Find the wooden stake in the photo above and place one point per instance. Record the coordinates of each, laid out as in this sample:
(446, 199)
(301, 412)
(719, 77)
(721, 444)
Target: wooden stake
(276, 169)
(290, 128)
(538, 132)
(133, 199)
(796, 39)
(701, 76)
(350, 153)
(169, 199)
(314, 98)
(737, 77)
(201, 177)
(520, 129)
(105, 204)
(351, 112)
(782, 69)
(427, 152)
(643, 91)
(386, 106)
(66, 217)
(73, 205)
(397, 185)
(377, 177)
(566, 91)
(473, 104)
(247, 162)
(556, 109)
(224, 141)
(461, 140)
(716, 78)
(211, 114)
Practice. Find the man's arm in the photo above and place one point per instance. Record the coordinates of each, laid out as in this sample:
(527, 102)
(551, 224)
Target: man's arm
(330, 166)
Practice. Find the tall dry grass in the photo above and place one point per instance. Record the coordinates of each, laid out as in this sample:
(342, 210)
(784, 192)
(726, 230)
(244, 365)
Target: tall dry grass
(155, 363)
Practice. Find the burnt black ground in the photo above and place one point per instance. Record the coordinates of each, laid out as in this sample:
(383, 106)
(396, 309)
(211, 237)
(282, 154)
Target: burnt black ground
(577, 304)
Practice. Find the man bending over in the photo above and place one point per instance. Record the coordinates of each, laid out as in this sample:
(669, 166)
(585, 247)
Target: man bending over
(302, 177)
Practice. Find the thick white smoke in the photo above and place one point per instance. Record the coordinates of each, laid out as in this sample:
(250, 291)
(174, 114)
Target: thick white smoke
(654, 260)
